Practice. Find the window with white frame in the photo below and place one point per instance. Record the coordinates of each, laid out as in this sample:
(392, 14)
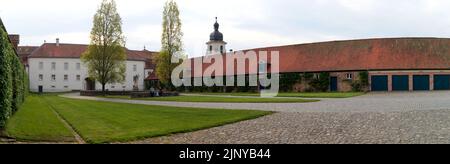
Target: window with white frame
(41, 65)
(134, 68)
(66, 66)
(41, 77)
(53, 66)
(78, 66)
(66, 77)
(53, 77)
(78, 77)
(316, 76)
(349, 76)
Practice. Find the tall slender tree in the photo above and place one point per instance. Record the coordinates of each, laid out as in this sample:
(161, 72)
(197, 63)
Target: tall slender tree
(106, 57)
(171, 41)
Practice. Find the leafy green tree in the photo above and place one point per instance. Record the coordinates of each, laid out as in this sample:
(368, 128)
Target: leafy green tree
(106, 57)
(164, 67)
(171, 41)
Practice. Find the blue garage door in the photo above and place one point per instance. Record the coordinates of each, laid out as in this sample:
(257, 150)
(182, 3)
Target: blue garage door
(400, 83)
(442, 82)
(379, 83)
(421, 83)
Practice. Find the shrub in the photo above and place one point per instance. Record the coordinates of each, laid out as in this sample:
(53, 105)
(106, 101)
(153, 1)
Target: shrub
(6, 75)
(322, 83)
(13, 79)
(364, 78)
(362, 83)
(288, 80)
(356, 86)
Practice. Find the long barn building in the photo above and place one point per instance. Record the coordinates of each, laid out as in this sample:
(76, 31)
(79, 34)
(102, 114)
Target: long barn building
(392, 64)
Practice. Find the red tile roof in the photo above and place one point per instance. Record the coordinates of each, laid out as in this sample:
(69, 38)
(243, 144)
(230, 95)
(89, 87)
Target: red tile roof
(51, 50)
(152, 76)
(150, 57)
(25, 51)
(356, 55)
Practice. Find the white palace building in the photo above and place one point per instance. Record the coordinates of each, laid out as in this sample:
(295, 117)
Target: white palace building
(57, 67)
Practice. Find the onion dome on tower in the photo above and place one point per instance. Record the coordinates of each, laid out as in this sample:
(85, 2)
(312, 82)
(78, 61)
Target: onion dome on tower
(216, 43)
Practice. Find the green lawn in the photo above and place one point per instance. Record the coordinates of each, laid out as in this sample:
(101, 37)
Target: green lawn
(104, 122)
(300, 95)
(36, 121)
(212, 99)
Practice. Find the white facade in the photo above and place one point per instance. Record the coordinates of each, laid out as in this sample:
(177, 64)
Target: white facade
(216, 47)
(69, 74)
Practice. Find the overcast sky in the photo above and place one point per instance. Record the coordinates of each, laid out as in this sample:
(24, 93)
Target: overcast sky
(245, 23)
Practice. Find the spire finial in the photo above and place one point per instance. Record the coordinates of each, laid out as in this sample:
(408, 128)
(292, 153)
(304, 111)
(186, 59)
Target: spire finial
(216, 25)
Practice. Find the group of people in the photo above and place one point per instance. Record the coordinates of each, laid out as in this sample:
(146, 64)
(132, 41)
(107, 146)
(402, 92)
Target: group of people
(155, 92)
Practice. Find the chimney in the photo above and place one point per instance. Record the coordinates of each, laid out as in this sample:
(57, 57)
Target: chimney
(15, 39)
(57, 41)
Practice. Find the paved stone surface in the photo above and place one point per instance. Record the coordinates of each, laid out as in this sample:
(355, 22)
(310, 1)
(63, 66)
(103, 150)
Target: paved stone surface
(386, 118)
(203, 95)
(421, 127)
(372, 102)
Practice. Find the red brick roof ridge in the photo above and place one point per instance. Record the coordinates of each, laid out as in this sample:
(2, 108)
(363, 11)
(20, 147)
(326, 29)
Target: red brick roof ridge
(407, 53)
(49, 50)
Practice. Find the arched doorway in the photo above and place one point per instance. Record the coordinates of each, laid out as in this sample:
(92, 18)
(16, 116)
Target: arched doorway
(90, 84)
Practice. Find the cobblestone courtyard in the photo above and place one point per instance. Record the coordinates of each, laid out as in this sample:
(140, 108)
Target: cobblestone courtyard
(326, 128)
(410, 117)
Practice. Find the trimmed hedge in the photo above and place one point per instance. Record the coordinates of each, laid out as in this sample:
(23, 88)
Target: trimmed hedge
(13, 79)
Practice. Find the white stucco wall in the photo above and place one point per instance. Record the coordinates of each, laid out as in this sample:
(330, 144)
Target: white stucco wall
(215, 47)
(61, 85)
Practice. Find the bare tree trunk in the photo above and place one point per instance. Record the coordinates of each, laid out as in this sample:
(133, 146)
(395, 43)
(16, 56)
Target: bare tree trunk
(103, 90)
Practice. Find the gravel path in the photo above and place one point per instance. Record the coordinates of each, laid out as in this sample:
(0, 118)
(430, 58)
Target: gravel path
(231, 96)
(408, 117)
(372, 102)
